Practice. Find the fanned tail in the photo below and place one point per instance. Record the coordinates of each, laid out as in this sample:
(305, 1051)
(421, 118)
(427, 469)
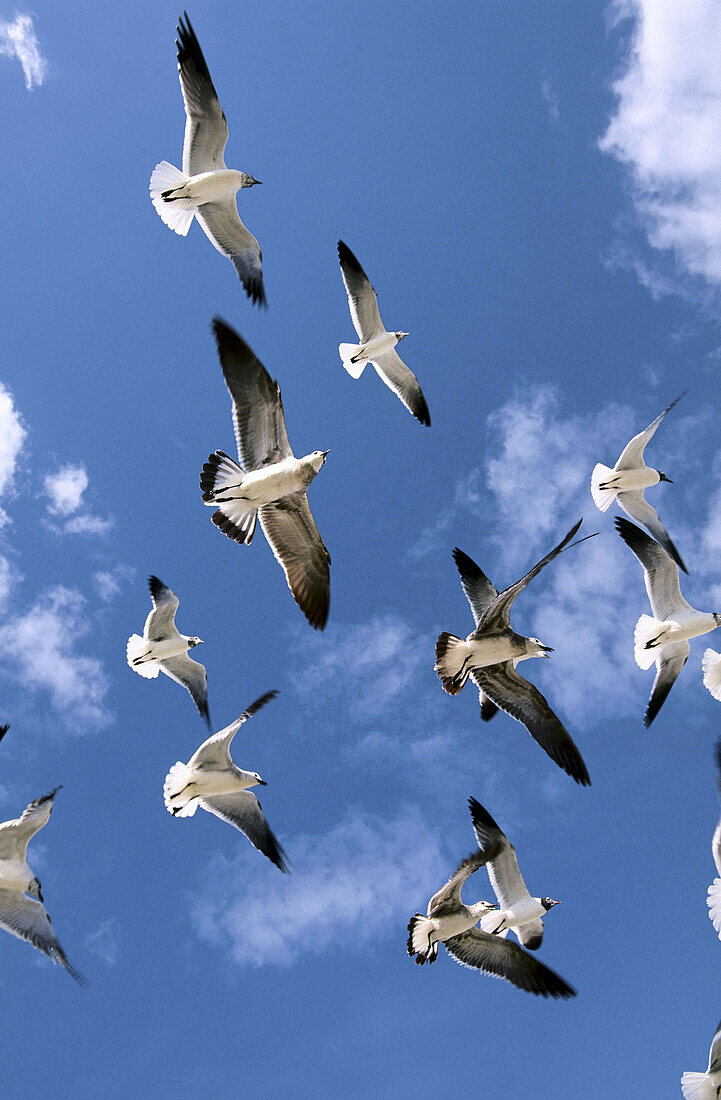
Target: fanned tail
(602, 498)
(179, 799)
(134, 650)
(419, 940)
(347, 352)
(451, 662)
(647, 640)
(176, 210)
(713, 900)
(711, 665)
(696, 1086)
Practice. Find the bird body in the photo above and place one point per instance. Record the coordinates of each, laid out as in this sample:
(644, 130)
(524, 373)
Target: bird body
(653, 634)
(425, 933)
(358, 355)
(273, 482)
(143, 651)
(457, 657)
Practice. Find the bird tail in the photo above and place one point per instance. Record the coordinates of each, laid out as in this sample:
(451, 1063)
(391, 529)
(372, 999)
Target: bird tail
(711, 666)
(347, 353)
(696, 1086)
(176, 210)
(177, 801)
(602, 498)
(219, 472)
(451, 654)
(419, 939)
(646, 640)
(713, 900)
(134, 651)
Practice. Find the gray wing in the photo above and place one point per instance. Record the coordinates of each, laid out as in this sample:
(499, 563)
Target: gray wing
(222, 226)
(524, 702)
(192, 675)
(399, 378)
(504, 959)
(714, 1056)
(206, 130)
(215, 752)
(361, 296)
(632, 454)
(669, 663)
(716, 842)
(160, 623)
(258, 415)
(15, 835)
(496, 614)
(290, 529)
(28, 920)
(242, 809)
(506, 880)
(448, 898)
(660, 572)
(479, 591)
(637, 507)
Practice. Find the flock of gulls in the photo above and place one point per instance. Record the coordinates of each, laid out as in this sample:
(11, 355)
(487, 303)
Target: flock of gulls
(268, 484)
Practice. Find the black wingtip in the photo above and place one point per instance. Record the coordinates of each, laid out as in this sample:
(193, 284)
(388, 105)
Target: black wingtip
(4, 729)
(155, 585)
(348, 258)
(422, 413)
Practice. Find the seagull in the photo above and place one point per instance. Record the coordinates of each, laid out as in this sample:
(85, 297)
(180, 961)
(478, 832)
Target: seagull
(163, 649)
(450, 922)
(713, 899)
(271, 484)
(489, 655)
(206, 189)
(376, 345)
(663, 639)
(210, 779)
(517, 911)
(26, 917)
(705, 1086)
(627, 481)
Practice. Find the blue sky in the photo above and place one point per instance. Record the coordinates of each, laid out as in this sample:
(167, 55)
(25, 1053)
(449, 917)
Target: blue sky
(534, 191)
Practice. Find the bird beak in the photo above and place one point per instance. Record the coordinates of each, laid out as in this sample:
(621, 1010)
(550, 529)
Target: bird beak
(324, 453)
(262, 783)
(664, 478)
(546, 650)
(257, 181)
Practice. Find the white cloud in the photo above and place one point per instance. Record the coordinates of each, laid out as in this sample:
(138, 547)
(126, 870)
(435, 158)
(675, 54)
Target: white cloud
(667, 130)
(18, 39)
(39, 647)
(103, 942)
(65, 490)
(108, 582)
(551, 99)
(358, 883)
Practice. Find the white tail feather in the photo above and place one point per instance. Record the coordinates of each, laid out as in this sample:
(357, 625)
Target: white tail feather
(135, 648)
(711, 665)
(179, 213)
(646, 630)
(713, 901)
(177, 803)
(697, 1086)
(451, 653)
(602, 498)
(347, 351)
(420, 929)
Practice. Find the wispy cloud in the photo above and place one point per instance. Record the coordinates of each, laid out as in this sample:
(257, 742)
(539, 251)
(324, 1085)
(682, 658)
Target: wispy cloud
(551, 99)
(19, 40)
(667, 131)
(65, 490)
(355, 884)
(108, 582)
(103, 942)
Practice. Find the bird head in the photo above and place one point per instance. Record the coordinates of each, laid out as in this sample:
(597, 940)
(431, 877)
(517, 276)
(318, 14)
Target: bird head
(258, 781)
(401, 335)
(548, 903)
(717, 617)
(662, 477)
(538, 649)
(192, 642)
(317, 459)
(248, 181)
(35, 889)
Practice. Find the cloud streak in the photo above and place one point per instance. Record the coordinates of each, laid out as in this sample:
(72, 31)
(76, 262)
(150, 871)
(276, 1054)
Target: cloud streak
(19, 40)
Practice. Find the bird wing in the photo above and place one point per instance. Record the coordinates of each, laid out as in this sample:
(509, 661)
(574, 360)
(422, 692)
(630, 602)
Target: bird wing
(714, 1057)
(28, 920)
(496, 615)
(660, 572)
(361, 296)
(401, 379)
(637, 507)
(449, 895)
(258, 415)
(15, 835)
(632, 454)
(160, 623)
(669, 663)
(242, 809)
(192, 675)
(206, 130)
(479, 591)
(504, 959)
(506, 879)
(290, 529)
(220, 221)
(215, 752)
(4, 729)
(524, 702)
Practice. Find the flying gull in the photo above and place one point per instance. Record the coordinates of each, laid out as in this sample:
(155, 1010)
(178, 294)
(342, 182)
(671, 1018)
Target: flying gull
(271, 483)
(705, 1086)
(626, 483)
(25, 916)
(450, 922)
(210, 779)
(517, 912)
(713, 899)
(489, 655)
(376, 345)
(163, 649)
(206, 189)
(664, 638)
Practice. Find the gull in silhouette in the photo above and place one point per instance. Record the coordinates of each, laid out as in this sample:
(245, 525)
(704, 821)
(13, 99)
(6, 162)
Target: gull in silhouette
(25, 916)
(163, 649)
(450, 922)
(489, 655)
(206, 189)
(376, 345)
(211, 780)
(626, 483)
(271, 484)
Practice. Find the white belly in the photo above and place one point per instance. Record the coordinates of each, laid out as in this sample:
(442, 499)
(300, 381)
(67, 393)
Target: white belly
(214, 186)
(523, 913)
(629, 481)
(688, 626)
(271, 483)
(169, 647)
(491, 651)
(379, 345)
(453, 925)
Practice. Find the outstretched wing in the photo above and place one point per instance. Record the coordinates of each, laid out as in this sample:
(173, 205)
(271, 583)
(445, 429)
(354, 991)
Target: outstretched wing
(215, 752)
(15, 835)
(401, 379)
(206, 130)
(290, 529)
(220, 221)
(669, 663)
(660, 571)
(192, 675)
(361, 296)
(160, 623)
(28, 920)
(242, 810)
(504, 959)
(632, 454)
(637, 507)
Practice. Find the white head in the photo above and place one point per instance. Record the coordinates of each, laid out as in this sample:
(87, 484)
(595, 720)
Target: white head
(536, 648)
(317, 459)
(257, 781)
(192, 642)
(401, 335)
(248, 181)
